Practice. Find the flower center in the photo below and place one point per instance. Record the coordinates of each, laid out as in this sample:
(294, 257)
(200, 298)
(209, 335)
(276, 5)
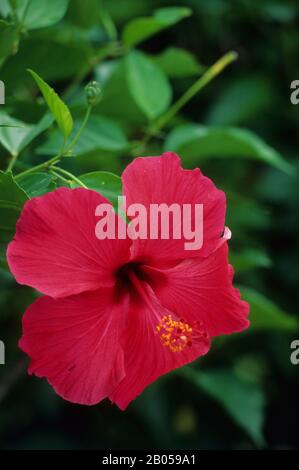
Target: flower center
(175, 335)
(173, 332)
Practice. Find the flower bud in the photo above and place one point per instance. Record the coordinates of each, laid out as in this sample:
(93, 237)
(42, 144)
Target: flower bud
(93, 93)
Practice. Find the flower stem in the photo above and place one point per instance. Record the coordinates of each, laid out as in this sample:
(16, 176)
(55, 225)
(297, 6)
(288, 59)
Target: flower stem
(41, 166)
(53, 172)
(57, 169)
(77, 136)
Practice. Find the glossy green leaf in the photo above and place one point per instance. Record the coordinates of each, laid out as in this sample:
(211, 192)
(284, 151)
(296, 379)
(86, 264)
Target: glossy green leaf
(105, 183)
(35, 184)
(118, 103)
(58, 108)
(176, 62)
(12, 199)
(15, 135)
(99, 134)
(12, 138)
(265, 315)
(243, 400)
(196, 143)
(139, 29)
(43, 124)
(41, 13)
(147, 84)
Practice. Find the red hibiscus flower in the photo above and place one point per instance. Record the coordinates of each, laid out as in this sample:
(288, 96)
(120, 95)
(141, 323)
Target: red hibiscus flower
(117, 314)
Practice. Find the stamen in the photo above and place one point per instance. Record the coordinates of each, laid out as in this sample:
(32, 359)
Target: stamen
(174, 334)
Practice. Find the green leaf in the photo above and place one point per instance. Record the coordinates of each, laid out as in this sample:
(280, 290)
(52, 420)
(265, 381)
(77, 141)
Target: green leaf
(15, 135)
(176, 62)
(147, 84)
(84, 14)
(41, 13)
(58, 108)
(277, 11)
(196, 142)
(249, 259)
(99, 134)
(139, 29)
(243, 400)
(5, 8)
(37, 129)
(9, 33)
(118, 103)
(12, 199)
(12, 138)
(105, 183)
(265, 315)
(171, 15)
(35, 184)
(53, 59)
(254, 91)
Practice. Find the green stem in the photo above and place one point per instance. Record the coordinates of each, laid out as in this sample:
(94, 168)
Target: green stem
(12, 162)
(77, 136)
(53, 172)
(69, 175)
(41, 166)
(207, 77)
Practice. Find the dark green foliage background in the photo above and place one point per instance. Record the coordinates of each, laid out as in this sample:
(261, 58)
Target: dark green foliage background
(244, 394)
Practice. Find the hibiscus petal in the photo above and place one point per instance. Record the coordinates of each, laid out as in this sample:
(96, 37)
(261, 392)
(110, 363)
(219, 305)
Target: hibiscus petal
(74, 343)
(146, 358)
(158, 180)
(201, 289)
(55, 249)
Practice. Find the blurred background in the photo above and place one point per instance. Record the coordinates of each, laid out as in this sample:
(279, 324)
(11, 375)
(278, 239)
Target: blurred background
(241, 129)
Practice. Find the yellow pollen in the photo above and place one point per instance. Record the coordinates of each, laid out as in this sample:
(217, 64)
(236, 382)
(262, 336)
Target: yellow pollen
(175, 335)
